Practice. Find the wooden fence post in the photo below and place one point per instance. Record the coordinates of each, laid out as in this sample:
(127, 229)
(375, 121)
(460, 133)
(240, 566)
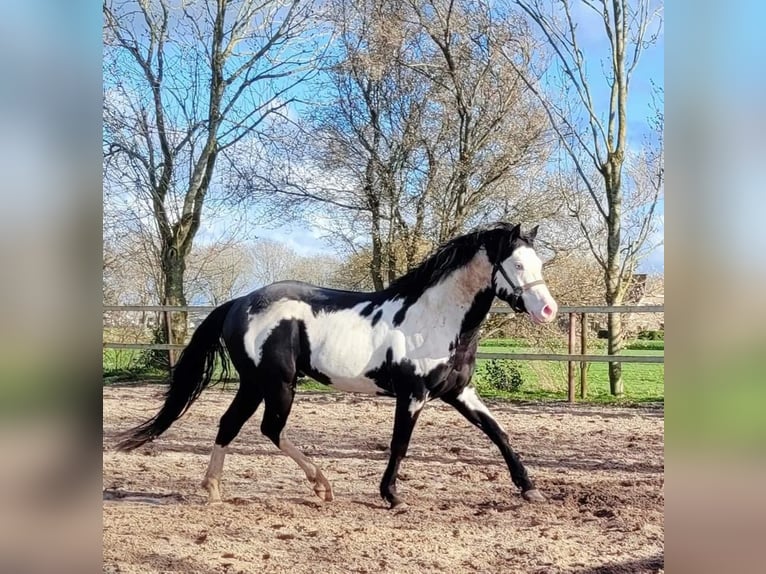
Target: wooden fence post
(583, 351)
(570, 374)
(169, 331)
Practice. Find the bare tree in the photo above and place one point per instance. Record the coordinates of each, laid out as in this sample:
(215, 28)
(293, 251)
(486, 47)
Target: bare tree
(370, 128)
(183, 84)
(352, 148)
(488, 130)
(426, 131)
(596, 142)
(273, 261)
(124, 272)
(320, 270)
(218, 272)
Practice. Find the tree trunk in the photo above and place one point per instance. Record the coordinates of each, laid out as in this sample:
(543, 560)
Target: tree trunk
(393, 263)
(373, 204)
(416, 232)
(613, 276)
(376, 265)
(391, 247)
(173, 266)
(614, 328)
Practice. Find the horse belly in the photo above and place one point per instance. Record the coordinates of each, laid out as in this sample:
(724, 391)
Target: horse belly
(345, 348)
(356, 385)
(342, 346)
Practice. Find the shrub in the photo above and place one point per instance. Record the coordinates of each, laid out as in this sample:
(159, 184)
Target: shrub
(503, 375)
(652, 335)
(646, 345)
(503, 343)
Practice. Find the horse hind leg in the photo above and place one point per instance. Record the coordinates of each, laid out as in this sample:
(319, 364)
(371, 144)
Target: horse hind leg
(277, 408)
(243, 406)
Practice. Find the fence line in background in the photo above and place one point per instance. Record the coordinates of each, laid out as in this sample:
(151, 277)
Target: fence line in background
(571, 357)
(502, 309)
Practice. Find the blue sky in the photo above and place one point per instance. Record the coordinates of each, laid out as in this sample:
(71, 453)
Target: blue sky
(650, 69)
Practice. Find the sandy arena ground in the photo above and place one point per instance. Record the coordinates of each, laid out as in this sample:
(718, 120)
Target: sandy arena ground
(600, 467)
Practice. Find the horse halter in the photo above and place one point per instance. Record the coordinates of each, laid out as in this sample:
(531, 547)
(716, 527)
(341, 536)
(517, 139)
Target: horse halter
(518, 290)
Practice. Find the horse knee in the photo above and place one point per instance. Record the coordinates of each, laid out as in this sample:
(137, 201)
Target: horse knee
(228, 428)
(271, 429)
(231, 423)
(243, 406)
(278, 406)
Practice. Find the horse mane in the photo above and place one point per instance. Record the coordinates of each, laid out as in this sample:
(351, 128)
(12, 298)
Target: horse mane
(455, 253)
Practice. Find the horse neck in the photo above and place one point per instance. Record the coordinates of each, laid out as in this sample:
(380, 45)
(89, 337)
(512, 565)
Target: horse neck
(465, 295)
(467, 282)
(475, 315)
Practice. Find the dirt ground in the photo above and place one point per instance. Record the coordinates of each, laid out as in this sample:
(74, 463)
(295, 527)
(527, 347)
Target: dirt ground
(600, 467)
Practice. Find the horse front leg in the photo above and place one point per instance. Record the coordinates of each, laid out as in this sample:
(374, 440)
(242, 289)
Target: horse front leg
(468, 404)
(408, 409)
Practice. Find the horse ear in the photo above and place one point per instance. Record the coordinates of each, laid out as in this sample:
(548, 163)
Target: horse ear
(533, 232)
(516, 231)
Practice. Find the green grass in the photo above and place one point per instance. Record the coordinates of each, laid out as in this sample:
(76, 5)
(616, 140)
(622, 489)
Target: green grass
(116, 362)
(645, 345)
(593, 345)
(547, 380)
(126, 365)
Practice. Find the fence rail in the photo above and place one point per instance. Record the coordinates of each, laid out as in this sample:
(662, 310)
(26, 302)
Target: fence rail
(513, 356)
(502, 309)
(571, 357)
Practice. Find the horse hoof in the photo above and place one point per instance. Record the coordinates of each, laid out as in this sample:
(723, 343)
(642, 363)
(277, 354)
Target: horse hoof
(322, 487)
(533, 495)
(213, 493)
(324, 494)
(397, 504)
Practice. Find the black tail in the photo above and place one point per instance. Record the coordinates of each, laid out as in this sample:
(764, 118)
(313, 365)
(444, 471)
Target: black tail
(191, 374)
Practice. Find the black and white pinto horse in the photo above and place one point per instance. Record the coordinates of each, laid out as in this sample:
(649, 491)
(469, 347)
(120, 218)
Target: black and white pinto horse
(415, 340)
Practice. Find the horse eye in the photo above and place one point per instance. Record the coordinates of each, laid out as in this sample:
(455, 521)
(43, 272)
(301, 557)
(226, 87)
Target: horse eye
(519, 266)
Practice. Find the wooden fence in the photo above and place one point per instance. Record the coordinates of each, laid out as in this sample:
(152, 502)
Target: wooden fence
(572, 357)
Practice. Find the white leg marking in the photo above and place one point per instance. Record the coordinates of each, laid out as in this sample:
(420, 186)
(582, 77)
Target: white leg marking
(322, 487)
(470, 399)
(416, 405)
(213, 475)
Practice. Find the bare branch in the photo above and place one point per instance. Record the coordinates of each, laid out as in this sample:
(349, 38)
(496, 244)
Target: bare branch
(556, 119)
(171, 110)
(579, 82)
